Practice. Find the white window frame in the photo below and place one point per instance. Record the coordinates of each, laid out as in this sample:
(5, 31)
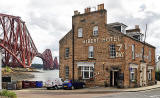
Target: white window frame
(89, 70)
(133, 52)
(90, 52)
(149, 74)
(132, 74)
(66, 72)
(112, 50)
(95, 30)
(80, 32)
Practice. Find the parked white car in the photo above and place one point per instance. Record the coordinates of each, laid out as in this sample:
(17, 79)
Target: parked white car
(55, 83)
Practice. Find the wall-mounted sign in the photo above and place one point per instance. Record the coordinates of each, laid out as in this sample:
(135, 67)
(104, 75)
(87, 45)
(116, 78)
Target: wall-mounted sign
(97, 40)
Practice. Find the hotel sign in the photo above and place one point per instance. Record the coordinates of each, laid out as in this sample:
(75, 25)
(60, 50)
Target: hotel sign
(107, 39)
(97, 40)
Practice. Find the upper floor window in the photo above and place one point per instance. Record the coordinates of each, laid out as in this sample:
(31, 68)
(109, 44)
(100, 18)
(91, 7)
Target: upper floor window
(133, 51)
(149, 56)
(67, 52)
(95, 30)
(90, 52)
(67, 72)
(112, 51)
(80, 32)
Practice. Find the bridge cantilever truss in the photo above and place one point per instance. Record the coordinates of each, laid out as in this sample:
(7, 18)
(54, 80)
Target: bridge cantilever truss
(16, 43)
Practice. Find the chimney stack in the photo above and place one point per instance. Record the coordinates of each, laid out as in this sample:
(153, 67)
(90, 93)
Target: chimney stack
(136, 26)
(87, 10)
(76, 12)
(101, 7)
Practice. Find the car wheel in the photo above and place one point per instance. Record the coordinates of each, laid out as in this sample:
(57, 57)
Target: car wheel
(48, 88)
(56, 87)
(84, 86)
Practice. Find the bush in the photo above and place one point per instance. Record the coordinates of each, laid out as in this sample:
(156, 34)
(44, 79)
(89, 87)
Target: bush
(8, 94)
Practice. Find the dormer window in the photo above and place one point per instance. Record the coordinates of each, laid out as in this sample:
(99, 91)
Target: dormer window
(80, 32)
(95, 30)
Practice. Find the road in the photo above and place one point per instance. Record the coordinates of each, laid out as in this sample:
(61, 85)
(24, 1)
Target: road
(143, 94)
(37, 93)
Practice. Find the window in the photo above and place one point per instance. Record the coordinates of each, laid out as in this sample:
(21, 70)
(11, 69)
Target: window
(67, 72)
(112, 50)
(150, 74)
(133, 51)
(132, 74)
(87, 72)
(95, 30)
(149, 56)
(142, 52)
(90, 52)
(67, 52)
(80, 32)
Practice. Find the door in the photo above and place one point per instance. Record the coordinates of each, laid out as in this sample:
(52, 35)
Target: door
(143, 74)
(113, 78)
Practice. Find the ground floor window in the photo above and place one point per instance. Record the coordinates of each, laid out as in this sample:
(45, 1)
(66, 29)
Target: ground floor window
(87, 72)
(67, 72)
(150, 74)
(132, 74)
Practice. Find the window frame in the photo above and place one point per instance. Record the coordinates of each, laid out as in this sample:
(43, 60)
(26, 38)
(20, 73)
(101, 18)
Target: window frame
(112, 51)
(80, 32)
(149, 74)
(90, 52)
(132, 72)
(66, 72)
(95, 31)
(66, 53)
(90, 71)
(150, 56)
(133, 52)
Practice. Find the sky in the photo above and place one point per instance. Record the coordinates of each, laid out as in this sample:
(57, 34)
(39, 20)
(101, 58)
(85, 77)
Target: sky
(49, 20)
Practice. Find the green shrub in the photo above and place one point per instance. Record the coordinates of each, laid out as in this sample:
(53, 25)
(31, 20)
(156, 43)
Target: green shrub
(8, 94)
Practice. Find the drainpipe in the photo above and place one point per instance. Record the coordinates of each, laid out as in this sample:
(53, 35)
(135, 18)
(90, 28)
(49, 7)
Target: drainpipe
(72, 52)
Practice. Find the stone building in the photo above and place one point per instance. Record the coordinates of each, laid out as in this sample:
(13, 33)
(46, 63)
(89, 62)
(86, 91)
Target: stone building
(105, 54)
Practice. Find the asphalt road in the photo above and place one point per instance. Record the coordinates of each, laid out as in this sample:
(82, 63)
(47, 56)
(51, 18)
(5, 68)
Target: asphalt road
(42, 93)
(143, 94)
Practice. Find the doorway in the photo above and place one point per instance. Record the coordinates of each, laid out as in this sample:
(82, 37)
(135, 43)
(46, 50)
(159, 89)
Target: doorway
(114, 78)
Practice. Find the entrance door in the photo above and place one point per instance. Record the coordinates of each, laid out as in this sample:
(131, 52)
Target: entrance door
(114, 78)
(143, 74)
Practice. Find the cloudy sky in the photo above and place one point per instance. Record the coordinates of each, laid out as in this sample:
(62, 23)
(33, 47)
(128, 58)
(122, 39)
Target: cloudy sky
(49, 20)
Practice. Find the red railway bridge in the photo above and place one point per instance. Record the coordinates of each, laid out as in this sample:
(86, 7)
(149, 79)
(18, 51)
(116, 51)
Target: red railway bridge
(17, 46)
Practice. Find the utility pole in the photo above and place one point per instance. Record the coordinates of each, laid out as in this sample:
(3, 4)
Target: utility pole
(144, 43)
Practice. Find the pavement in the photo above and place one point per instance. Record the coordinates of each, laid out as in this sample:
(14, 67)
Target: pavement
(96, 90)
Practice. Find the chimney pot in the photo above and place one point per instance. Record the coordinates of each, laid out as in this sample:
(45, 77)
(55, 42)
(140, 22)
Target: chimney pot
(87, 10)
(76, 12)
(101, 7)
(136, 26)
